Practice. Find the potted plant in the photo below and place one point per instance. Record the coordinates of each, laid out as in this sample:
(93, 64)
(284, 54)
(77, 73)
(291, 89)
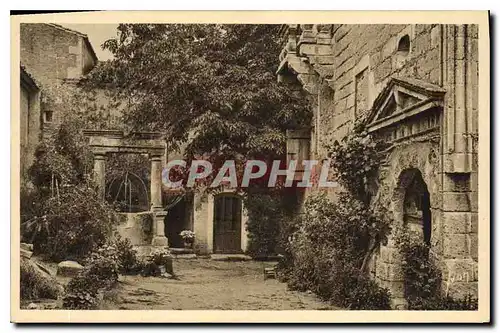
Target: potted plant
(188, 238)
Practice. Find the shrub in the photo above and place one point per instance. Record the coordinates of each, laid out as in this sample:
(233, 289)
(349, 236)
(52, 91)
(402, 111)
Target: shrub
(34, 285)
(100, 273)
(70, 224)
(330, 245)
(264, 215)
(81, 293)
(103, 263)
(153, 263)
(422, 279)
(128, 262)
(328, 249)
(356, 159)
(367, 295)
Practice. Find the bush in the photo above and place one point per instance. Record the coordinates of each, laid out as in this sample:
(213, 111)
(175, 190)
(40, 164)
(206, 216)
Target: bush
(264, 215)
(327, 253)
(128, 262)
(422, 279)
(70, 224)
(103, 263)
(367, 295)
(159, 258)
(100, 273)
(34, 285)
(81, 293)
(356, 159)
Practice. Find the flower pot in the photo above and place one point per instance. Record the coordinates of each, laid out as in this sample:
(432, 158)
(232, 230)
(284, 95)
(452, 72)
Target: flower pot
(188, 245)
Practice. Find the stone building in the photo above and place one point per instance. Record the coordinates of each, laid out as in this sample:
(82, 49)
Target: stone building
(30, 120)
(416, 87)
(53, 58)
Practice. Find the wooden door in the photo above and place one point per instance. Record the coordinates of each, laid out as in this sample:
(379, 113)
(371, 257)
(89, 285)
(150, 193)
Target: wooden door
(227, 224)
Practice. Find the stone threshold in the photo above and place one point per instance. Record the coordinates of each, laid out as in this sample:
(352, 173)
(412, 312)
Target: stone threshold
(230, 257)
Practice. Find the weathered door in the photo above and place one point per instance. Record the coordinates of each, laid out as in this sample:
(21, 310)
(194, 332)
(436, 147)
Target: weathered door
(227, 224)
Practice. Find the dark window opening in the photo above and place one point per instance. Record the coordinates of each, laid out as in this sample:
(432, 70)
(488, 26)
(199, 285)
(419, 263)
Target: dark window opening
(417, 207)
(48, 116)
(404, 45)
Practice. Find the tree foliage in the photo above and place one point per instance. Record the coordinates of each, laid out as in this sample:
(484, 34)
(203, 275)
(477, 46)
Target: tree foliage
(209, 87)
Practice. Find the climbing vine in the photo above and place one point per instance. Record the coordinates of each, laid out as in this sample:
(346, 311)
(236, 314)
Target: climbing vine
(356, 159)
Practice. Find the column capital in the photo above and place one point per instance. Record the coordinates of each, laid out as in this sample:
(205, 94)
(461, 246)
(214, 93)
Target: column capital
(99, 156)
(156, 158)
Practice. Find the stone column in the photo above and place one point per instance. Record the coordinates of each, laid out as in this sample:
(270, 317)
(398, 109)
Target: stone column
(156, 183)
(100, 173)
(159, 215)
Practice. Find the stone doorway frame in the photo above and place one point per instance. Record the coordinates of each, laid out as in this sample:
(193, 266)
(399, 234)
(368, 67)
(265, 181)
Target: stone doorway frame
(103, 142)
(240, 220)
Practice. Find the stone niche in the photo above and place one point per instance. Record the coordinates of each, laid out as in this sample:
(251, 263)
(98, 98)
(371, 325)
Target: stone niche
(407, 115)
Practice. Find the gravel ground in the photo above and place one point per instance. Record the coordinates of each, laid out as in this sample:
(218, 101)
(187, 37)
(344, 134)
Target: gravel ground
(211, 285)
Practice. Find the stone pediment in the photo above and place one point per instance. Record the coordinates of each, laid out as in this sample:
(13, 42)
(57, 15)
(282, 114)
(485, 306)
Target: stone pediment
(402, 99)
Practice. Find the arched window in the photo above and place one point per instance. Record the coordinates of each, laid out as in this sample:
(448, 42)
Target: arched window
(404, 45)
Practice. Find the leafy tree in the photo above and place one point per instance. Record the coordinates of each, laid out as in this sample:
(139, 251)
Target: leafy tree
(211, 88)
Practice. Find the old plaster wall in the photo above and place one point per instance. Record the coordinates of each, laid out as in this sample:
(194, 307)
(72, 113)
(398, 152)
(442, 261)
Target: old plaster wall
(136, 228)
(30, 122)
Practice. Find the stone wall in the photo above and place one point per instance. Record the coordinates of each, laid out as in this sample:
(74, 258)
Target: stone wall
(345, 68)
(56, 58)
(30, 121)
(364, 58)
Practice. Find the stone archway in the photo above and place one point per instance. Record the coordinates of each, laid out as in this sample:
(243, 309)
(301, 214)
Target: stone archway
(104, 142)
(411, 205)
(410, 169)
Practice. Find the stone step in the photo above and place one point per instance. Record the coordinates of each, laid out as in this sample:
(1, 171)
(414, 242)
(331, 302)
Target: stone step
(185, 256)
(230, 257)
(176, 251)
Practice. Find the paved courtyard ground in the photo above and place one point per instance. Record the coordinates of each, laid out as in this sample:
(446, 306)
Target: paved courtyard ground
(211, 285)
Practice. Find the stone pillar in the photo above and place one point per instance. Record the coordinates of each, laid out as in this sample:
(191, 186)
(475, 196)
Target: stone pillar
(156, 202)
(159, 238)
(100, 173)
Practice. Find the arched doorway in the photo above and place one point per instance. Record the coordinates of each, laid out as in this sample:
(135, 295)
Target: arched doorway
(227, 223)
(416, 208)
